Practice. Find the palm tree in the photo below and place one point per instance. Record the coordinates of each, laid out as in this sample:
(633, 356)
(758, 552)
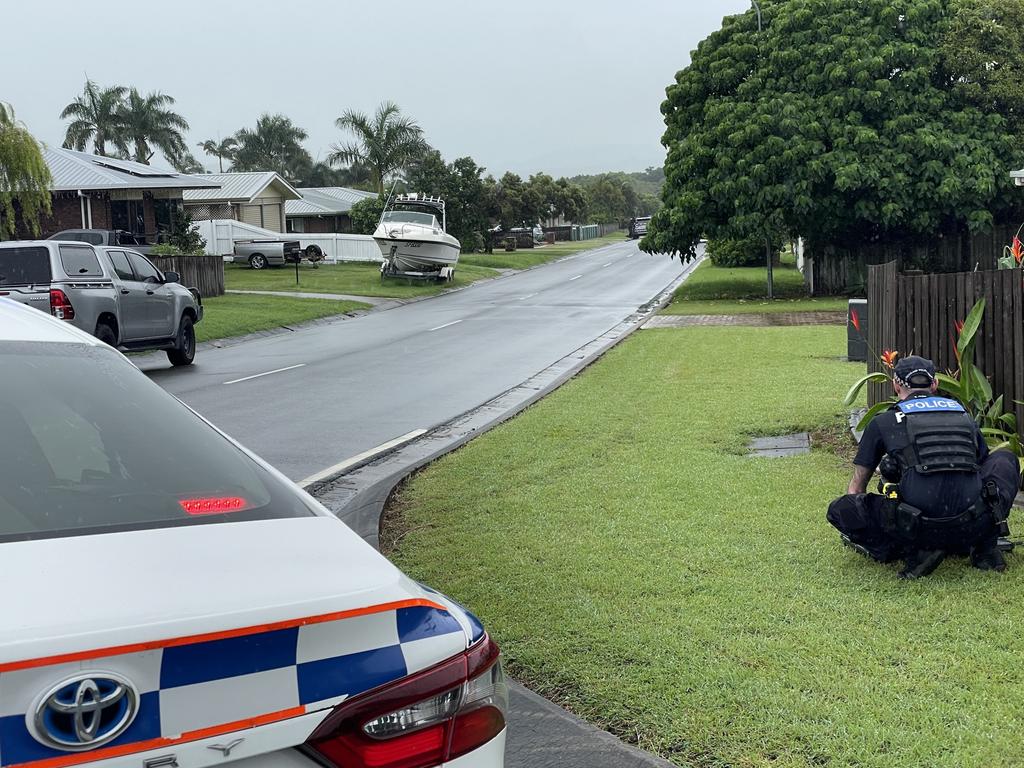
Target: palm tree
(147, 124)
(386, 145)
(24, 175)
(222, 150)
(275, 144)
(96, 117)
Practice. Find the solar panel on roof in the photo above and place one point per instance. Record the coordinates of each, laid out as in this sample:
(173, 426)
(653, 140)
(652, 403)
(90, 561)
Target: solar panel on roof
(136, 169)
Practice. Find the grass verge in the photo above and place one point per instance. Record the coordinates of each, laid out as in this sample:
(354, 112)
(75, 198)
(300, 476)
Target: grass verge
(351, 278)
(239, 314)
(712, 290)
(531, 257)
(638, 568)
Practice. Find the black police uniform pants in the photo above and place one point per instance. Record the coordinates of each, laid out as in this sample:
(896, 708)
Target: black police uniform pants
(862, 517)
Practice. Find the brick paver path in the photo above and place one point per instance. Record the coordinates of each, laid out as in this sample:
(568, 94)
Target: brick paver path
(758, 319)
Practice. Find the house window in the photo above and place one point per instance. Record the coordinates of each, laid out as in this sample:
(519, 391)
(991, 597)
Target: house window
(128, 215)
(165, 211)
(296, 225)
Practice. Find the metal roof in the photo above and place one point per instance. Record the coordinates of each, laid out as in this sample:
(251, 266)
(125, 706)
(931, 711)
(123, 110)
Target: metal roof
(325, 201)
(240, 188)
(73, 170)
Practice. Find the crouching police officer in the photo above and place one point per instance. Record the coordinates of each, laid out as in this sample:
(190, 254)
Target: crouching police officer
(942, 492)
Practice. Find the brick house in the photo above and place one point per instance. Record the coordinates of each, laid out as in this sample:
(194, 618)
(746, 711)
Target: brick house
(323, 209)
(256, 198)
(95, 192)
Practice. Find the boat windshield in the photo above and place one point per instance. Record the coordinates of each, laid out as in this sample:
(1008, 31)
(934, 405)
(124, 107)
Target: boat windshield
(411, 217)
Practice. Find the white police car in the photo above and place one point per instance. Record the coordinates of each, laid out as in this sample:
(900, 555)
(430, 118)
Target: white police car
(170, 600)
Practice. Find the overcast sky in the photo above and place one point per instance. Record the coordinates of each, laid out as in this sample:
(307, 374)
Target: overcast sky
(563, 86)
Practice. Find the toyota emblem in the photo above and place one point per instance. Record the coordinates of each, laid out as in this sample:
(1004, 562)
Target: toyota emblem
(84, 711)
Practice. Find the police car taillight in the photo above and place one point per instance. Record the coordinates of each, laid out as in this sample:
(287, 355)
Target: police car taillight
(421, 720)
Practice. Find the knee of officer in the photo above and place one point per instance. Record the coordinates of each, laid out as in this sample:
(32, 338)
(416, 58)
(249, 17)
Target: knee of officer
(846, 512)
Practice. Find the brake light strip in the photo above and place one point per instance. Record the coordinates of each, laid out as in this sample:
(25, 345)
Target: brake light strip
(117, 650)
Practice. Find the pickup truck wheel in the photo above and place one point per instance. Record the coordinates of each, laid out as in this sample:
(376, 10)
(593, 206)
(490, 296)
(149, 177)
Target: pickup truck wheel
(258, 261)
(184, 351)
(105, 334)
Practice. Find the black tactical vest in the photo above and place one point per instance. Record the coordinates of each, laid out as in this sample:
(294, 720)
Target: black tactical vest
(933, 434)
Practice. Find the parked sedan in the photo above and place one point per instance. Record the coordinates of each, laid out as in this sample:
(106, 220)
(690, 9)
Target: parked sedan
(170, 599)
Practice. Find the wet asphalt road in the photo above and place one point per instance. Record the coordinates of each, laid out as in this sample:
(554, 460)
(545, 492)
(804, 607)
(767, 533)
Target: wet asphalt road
(307, 400)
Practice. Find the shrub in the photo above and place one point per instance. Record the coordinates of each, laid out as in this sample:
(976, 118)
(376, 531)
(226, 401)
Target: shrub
(736, 253)
(184, 236)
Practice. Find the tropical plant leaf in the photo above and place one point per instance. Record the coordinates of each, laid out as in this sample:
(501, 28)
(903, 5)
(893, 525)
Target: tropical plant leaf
(950, 386)
(970, 330)
(982, 384)
(872, 378)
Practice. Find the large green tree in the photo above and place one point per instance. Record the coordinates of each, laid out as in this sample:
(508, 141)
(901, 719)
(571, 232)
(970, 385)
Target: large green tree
(274, 144)
(146, 124)
(842, 122)
(95, 117)
(461, 185)
(24, 175)
(386, 144)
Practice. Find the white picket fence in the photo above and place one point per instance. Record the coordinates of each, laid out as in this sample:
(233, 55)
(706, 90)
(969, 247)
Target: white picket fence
(220, 236)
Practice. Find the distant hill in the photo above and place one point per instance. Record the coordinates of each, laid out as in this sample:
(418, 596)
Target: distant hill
(647, 182)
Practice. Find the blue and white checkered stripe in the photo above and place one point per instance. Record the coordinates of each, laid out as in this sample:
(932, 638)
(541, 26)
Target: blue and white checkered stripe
(185, 688)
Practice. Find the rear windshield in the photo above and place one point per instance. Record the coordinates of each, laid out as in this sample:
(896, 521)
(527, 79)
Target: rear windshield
(97, 447)
(80, 261)
(24, 266)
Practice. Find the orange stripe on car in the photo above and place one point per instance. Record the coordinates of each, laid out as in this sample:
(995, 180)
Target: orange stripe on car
(118, 650)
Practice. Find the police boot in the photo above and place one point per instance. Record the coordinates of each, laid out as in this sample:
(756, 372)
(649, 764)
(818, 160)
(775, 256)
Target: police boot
(988, 557)
(921, 563)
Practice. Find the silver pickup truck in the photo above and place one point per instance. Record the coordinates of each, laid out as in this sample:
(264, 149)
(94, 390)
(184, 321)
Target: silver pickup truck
(260, 254)
(116, 294)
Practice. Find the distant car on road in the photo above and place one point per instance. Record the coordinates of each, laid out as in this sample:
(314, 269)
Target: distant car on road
(105, 237)
(638, 227)
(116, 294)
(260, 254)
(170, 599)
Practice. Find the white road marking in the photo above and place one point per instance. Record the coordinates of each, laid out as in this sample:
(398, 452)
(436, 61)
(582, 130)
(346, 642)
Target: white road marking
(266, 373)
(606, 265)
(528, 296)
(453, 322)
(360, 457)
(575, 278)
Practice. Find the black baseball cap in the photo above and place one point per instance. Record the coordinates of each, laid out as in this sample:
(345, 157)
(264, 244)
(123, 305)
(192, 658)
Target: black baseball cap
(914, 372)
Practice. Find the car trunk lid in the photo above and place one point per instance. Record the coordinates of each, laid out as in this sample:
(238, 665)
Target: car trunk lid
(252, 630)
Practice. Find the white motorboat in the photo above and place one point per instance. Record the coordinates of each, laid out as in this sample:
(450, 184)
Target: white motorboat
(412, 240)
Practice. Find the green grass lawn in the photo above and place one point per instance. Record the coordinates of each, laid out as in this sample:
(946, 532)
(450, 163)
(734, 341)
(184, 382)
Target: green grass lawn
(355, 278)
(236, 315)
(530, 257)
(712, 290)
(637, 568)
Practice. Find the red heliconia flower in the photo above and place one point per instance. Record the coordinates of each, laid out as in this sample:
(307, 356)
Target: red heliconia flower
(855, 319)
(889, 358)
(1017, 250)
(959, 325)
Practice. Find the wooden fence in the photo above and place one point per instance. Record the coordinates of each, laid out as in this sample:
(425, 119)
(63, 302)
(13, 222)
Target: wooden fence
(844, 270)
(917, 314)
(203, 272)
